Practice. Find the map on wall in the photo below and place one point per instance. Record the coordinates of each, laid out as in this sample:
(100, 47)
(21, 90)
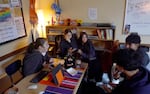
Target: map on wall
(137, 17)
(11, 21)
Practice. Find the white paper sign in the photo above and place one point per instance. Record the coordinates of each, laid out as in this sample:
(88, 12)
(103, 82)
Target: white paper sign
(92, 13)
(15, 3)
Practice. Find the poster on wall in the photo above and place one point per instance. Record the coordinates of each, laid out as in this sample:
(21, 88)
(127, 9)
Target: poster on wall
(137, 17)
(12, 25)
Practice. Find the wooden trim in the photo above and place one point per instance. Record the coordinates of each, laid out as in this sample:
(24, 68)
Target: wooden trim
(12, 53)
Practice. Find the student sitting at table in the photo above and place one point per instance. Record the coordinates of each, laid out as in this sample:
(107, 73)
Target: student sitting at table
(36, 57)
(136, 78)
(133, 42)
(87, 52)
(68, 44)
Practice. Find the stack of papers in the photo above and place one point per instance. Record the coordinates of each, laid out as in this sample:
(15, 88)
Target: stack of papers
(72, 71)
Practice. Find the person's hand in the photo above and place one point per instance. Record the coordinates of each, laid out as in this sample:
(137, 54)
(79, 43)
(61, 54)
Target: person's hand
(107, 88)
(45, 65)
(51, 60)
(116, 74)
(112, 85)
(74, 49)
(70, 50)
(80, 51)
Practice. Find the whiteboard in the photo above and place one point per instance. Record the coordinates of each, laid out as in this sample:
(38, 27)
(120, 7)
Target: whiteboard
(137, 17)
(12, 24)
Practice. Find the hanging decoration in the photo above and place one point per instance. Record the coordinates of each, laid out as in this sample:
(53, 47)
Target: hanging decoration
(55, 6)
(33, 18)
(33, 15)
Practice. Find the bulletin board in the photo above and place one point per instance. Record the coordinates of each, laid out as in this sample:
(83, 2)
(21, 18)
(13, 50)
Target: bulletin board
(137, 17)
(12, 25)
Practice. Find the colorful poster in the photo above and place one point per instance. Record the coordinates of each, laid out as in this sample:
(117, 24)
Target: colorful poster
(11, 21)
(15, 3)
(5, 15)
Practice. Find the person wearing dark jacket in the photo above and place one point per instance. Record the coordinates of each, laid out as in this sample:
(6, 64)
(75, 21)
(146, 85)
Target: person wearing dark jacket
(136, 77)
(87, 52)
(133, 42)
(86, 48)
(68, 44)
(36, 57)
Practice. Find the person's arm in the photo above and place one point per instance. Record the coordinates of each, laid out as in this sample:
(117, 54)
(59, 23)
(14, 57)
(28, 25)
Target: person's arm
(47, 58)
(90, 52)
(63, 48)
(145, 57)
(74, 43)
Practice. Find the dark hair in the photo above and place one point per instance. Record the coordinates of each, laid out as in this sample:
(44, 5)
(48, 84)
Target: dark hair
(133, 38)
(128, 59)
(81, 35)
(67, 31)
(36, 44)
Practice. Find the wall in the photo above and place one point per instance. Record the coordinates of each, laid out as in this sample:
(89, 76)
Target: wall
(22, 42)
(111, 11)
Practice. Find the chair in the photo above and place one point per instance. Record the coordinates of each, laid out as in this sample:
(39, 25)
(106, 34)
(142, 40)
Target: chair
(5, 83)
(13, 71)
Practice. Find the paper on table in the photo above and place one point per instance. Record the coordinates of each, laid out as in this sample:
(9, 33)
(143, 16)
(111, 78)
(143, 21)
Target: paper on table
(72, 71)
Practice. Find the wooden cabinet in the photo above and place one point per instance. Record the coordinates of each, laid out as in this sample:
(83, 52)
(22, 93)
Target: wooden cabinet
(102, 37)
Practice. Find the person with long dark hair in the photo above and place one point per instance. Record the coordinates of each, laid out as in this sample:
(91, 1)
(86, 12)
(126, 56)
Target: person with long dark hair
(87, 52)
(36, 57)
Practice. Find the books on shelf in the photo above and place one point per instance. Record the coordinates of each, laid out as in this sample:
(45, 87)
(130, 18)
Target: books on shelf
(105, 34)
(93, 37)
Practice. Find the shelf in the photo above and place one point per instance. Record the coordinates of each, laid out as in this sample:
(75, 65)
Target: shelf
(101, 37)
(54, 33)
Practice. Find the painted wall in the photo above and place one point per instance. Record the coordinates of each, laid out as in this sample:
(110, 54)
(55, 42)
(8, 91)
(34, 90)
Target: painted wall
(109, 11)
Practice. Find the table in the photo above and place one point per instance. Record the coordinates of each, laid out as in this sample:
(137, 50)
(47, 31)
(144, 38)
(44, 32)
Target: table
(24, 83)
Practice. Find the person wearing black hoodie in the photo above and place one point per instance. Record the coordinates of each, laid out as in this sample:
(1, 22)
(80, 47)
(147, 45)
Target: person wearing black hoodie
(36, 57)
(68, 44)
(133, 42)
(136, 77)
(87, 51)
